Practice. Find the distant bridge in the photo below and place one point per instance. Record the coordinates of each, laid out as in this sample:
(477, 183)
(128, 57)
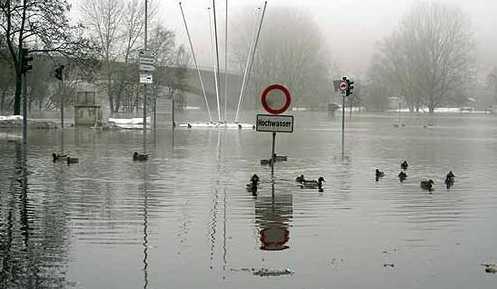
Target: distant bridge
(193, 88)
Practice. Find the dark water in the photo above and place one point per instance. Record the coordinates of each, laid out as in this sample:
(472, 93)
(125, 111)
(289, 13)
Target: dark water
(185, 220)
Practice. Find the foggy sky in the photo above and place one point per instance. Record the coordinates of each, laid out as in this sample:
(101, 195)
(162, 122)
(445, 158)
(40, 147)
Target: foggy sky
(351, 27)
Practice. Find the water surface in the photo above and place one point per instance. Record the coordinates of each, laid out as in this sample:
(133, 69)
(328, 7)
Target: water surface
(184, 219)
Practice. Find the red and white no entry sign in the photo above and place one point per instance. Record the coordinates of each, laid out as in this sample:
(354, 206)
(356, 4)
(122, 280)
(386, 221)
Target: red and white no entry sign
(343, 85)
(267, 91)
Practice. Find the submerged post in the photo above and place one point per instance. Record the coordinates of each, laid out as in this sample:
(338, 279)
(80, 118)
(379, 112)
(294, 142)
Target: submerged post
(272, 157)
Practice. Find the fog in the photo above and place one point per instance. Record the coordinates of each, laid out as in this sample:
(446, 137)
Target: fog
(351, 27)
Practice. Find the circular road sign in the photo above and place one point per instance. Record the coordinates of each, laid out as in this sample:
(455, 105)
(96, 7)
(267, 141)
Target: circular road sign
(267, 91)
(343, 85)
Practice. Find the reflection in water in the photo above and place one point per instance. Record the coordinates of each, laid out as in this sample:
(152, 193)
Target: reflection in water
(96, 212)
(145, 228)
(273, 215)
(32, 239)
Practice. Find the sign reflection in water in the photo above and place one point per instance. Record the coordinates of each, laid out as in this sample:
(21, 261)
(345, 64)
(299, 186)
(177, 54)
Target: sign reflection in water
(272, 217)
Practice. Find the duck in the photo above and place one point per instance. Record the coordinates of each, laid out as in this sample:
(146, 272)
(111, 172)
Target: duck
(71, 160)
(427, 185)
(266, 162)
(57, 157)
(140, 157)
(490, 268)
(252, 186)
(280, 158)
(313, 184)
(239, 126)
(300, 179)
(450, 179)
(402, 176)
(379, 174)
(404, 165)
(189, 125)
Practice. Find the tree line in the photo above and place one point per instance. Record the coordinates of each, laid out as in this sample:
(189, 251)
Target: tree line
(101, 50)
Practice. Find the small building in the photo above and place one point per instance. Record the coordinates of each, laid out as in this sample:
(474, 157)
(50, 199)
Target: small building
(86, 110)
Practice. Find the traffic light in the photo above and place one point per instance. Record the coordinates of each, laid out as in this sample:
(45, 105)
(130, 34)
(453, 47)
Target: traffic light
(350, 87)
(26, 61)
(59, 72)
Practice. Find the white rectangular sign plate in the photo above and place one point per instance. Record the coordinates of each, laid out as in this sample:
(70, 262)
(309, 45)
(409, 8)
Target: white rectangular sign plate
(147, 67)
(146, 78)
(147, 60)
(274, 123)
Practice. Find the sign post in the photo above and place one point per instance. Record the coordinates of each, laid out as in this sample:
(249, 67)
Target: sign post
(275, 122)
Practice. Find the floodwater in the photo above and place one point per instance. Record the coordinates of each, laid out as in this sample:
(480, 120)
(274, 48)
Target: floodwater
(185, 220)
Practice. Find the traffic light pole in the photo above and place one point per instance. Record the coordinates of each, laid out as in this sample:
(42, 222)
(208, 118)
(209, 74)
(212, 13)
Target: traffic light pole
(343, 123)
(24, 110)
(62, 103)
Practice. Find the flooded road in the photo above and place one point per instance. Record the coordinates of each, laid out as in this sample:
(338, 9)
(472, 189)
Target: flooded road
(184, 219)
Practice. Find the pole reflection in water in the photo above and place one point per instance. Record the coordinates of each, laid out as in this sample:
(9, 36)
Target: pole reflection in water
(23, 180)
(145, 228)
(32, 244)
(213, 222)
(273, 215)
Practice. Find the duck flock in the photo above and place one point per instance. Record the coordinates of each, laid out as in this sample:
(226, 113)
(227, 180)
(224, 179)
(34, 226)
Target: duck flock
(425, 184)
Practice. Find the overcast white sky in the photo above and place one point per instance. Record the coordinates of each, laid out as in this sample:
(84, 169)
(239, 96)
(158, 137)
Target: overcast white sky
(351, 27)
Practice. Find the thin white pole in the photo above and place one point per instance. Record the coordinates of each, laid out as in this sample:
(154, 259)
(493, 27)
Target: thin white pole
(226, 63)
(251, 62)
(244, 78)
(196, 63)
(217, 56)
(215, 68)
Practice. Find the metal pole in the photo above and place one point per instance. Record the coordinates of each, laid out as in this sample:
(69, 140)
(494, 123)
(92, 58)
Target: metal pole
(272, 157)
(155, 111)
(217, 56)
(253, 55)
(343, 122)
(62, 102)
(245, 74)
(195, 62)
(216, 85)
(24, 110)
(226, 64)
(172, 109)
(145, 85)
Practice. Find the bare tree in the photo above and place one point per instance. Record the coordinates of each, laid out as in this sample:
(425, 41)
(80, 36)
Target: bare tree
(430, 56)
(41, 26)
(292, 54)
(103, 19)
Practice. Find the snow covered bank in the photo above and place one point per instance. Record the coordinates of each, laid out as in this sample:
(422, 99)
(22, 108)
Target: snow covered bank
(15, 122)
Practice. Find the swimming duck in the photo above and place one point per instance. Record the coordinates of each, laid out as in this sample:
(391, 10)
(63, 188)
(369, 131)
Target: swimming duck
(266, 162)
(189, 125)
(140, 157)
(404, 165)
(490, 268)
(280, 158)
(313, 184)
(300, 179)
(427, 185)
(239, 126)
(71, 160)
(379, 174)
(450, 179)
(402, 176)
(57, 157)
